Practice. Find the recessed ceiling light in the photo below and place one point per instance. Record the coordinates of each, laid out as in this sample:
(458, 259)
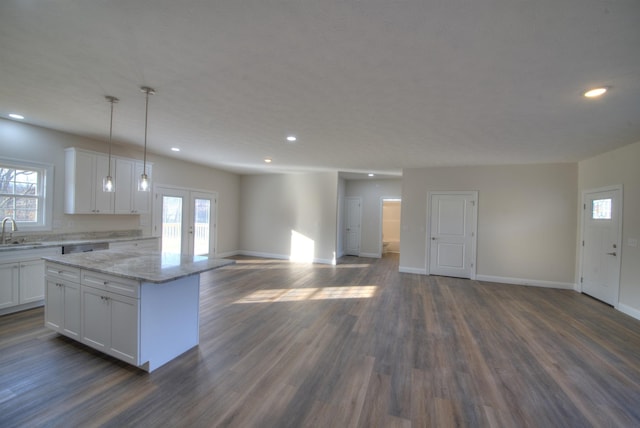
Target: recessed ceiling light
(175, 149)
(268, 160)
(292, 138)
(16, 116)
(595, 92)
(371, 174)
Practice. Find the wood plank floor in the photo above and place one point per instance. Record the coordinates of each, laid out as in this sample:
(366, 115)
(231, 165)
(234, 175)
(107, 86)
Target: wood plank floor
(355, 345)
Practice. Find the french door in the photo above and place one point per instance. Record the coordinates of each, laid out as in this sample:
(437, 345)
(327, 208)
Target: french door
(185, 221)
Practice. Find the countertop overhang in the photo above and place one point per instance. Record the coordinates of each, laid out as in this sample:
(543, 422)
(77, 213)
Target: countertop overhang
(144, 266)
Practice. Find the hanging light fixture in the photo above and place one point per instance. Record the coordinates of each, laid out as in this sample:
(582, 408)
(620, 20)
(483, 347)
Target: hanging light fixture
(107, 183)
(143, 183)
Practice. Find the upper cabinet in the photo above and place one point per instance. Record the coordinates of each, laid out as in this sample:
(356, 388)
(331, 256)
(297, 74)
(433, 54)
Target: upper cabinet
(84, 171)
(128, 199)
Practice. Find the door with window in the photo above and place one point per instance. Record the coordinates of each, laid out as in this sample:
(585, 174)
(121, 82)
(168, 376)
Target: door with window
(452, 248)
(601, 222)
(185, 221)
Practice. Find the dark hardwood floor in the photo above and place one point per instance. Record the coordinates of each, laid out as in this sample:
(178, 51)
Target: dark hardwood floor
(358, 344)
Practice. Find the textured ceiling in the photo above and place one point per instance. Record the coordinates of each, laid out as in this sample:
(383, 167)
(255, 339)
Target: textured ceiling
(375, 85)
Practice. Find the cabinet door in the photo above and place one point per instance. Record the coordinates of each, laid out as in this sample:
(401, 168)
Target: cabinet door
(54, 308)
(71, 310)
(125, 180)
(96, 326)
(124, 328)
(84, 183)
(141, 200)
(103, 200)
(9, 284)
(31, 281)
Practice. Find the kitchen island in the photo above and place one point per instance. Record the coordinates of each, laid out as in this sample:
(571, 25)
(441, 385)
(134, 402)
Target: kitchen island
(141, 307)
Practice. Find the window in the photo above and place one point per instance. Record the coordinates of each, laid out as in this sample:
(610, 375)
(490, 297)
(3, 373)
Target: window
(601, 209)
(23, 190)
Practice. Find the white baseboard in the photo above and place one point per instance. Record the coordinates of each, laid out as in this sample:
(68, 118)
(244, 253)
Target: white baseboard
(632, 312)
(228, 254)
(419, 271)
(524, 281)
(280, 257)
(263, 255)
(370, 255)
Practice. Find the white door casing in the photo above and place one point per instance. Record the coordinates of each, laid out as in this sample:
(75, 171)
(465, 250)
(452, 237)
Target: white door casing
(601, 243)
(452, 233)
(352, 225)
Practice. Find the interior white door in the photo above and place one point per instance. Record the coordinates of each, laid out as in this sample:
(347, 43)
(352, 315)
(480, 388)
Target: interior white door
(352, 225)
(600, 276)
(453, 234)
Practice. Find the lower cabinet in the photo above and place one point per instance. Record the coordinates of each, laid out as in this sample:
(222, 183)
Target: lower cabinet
(110, 323)
(94, 309)
(62, 311)
(22, 284)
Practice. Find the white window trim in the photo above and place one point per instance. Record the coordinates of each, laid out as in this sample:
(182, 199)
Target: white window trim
(47, 192)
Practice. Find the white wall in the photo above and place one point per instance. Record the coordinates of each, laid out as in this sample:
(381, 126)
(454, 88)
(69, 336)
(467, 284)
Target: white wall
(371, 192)
(526, 220)
(26, 142)
(621, 166)
(275, 205)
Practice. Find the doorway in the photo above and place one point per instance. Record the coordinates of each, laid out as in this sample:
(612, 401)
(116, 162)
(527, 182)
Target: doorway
(185, 221)
(452, 229)
(390, 225)
(601, 243)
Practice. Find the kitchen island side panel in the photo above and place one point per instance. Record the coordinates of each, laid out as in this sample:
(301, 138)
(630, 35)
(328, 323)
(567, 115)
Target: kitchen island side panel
(169, 320)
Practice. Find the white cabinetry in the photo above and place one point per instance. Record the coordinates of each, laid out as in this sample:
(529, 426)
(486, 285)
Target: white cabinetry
(22, 284)
(62, 311)
(128, 199)
(151, 244)
(110, 309)
(9, 284)
(84, 172)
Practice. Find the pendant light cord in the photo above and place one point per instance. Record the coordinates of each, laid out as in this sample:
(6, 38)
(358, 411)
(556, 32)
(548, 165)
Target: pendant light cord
(146, 117)
(111, 100)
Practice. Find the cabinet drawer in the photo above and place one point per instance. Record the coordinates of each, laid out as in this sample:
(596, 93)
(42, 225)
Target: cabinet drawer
(68, 273)
(122, 286)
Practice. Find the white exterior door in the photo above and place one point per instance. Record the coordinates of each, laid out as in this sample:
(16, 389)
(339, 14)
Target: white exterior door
(185, 221)
(453, 234)
(352, 226)
(602, 213)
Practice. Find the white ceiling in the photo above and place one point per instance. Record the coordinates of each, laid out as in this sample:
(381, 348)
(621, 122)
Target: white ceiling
(366, 85)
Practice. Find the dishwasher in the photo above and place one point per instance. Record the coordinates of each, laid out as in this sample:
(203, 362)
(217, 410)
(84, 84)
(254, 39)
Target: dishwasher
(84, 248)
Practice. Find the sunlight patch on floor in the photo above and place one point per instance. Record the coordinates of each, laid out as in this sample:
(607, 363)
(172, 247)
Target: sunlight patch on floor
(303, 294)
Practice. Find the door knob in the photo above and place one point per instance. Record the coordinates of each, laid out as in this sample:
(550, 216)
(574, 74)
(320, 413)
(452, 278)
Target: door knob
(433, 238)
(612, 254)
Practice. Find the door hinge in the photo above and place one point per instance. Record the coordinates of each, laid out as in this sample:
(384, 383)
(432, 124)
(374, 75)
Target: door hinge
(584, 206)
(473, 203)
(583, 243)
(581, 279)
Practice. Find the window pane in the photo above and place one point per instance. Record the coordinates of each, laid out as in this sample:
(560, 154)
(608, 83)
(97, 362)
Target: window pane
(601, 209)
(171, 224)
(201, 221)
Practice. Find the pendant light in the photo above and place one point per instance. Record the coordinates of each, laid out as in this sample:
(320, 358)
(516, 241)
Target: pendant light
(107, 183)
(143, 183)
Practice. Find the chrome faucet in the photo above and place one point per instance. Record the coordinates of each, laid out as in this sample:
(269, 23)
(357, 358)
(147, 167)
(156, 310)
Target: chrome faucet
(14, 228)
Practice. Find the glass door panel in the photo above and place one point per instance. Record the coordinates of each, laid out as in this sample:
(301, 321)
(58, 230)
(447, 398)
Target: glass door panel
(201, 221)
(171, 224)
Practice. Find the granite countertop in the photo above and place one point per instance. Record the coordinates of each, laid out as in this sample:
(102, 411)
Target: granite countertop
(49, 244)
(144, 266)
